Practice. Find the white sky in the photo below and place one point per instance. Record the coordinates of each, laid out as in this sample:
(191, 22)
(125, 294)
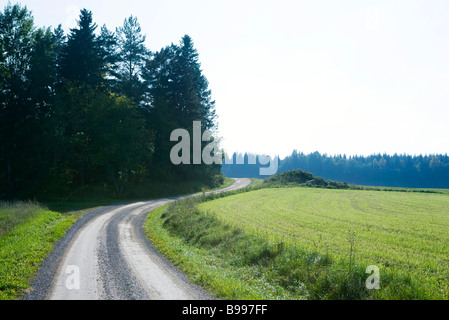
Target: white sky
(353, 77)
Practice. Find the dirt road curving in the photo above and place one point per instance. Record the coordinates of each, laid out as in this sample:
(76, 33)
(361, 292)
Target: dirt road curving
(106, 256)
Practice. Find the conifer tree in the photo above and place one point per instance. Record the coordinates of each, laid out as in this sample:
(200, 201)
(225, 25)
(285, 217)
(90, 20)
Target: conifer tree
(82, 58)
(107, 41)
(179, 96)
(193, 96)
(132, 57)
(16, 45)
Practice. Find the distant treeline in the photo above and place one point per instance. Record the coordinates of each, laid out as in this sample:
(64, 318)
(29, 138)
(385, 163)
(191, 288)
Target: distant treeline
(94, 107)
(398, 170)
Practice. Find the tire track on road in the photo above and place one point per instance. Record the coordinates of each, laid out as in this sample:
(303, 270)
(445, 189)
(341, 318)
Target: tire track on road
(108, 255)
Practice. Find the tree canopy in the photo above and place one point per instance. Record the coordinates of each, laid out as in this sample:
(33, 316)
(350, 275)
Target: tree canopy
(94, 107)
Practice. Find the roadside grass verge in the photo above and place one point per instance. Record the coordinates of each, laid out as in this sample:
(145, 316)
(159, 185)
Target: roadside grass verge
(227, 182)
(233, 262)
(27, 234)
(207, 268)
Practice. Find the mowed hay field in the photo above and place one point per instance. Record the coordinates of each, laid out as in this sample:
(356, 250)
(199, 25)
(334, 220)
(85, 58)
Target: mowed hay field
(403, 232)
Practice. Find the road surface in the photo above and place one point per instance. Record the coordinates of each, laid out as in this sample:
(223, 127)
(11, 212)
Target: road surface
(106, 256)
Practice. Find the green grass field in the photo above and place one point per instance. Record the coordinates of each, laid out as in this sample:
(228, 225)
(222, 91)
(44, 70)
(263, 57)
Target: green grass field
(27, 234)
(309, 243)
(397, 231)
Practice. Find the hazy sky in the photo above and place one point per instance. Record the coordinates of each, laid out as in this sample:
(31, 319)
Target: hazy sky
(353, 77)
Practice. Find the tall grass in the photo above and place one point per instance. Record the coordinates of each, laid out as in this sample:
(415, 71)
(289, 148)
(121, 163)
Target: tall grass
(14, 214)
(27, 234)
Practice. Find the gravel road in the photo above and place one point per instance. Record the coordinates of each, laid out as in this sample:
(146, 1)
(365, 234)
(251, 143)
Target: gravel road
(106, 256)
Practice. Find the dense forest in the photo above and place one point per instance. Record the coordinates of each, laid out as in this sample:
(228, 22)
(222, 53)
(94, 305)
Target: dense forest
(94, 107)
(422, 171)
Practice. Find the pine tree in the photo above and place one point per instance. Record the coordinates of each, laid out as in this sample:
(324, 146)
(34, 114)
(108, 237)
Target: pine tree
(59, 43)
(132, 58)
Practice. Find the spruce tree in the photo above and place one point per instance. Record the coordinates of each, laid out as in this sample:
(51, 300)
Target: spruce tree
(82, 58)
(179, 95)
(158, 77)
(193, 96)
(107, 41)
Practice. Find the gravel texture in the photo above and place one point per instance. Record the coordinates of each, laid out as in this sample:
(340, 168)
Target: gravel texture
(114, 259)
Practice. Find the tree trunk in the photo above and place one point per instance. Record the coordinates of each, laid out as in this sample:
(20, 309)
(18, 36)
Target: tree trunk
(114, 179)
(10, 175)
